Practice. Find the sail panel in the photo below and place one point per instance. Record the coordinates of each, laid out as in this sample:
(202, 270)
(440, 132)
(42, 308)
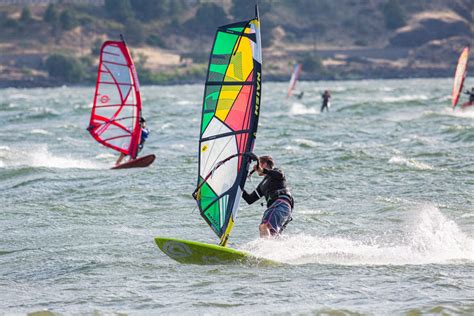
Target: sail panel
(294, 78)
(115, 114)
(460, 75)
(229, 122)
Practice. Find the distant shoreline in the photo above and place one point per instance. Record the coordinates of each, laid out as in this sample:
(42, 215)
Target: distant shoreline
(29, 84)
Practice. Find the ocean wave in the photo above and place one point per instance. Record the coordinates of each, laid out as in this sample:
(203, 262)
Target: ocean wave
(306, 143)
(404, 98)
(429, 238)
(39, 156)
(300, 109)
(411, 163)
(39, 131)
(469, 113)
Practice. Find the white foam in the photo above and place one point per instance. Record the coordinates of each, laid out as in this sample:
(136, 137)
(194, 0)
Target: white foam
(404, 98)
(307, 142)
(19, 96)
(178, 146)
(166, 126)
(106, 156)
(185, 102)
(39, 156)
(428, 238)
(39, 131)
(300, 109)
(412, 163)
(468, 113)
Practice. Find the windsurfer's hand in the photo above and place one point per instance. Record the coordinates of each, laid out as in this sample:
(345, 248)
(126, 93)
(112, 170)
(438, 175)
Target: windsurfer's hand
(253, 157)
(257, 168)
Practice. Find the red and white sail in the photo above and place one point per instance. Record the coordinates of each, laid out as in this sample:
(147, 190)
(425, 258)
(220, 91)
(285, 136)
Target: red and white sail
(460, 75)
(294, 78)
(117, 105)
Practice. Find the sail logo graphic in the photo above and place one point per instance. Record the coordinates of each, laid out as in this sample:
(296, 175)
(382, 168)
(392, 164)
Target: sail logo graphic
(177, 250)
(257, 95)
(104, 99)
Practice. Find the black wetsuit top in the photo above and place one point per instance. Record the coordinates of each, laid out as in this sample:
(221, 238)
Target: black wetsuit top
(326, 97)
(471, 96)
(273, 187)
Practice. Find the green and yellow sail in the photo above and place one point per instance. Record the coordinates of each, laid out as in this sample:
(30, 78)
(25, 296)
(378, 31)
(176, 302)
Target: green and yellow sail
(229, 122)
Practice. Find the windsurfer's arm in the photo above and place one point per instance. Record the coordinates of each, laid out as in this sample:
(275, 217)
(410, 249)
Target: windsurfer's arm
(252, 197)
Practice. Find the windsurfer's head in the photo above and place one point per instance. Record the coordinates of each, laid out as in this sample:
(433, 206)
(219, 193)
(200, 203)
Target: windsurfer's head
(142, 122)
(266, 162)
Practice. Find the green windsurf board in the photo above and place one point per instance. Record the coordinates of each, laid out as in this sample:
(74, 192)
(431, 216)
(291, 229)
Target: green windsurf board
(194, 252)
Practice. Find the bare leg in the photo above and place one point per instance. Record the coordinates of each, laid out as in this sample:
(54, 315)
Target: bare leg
(264, 231)
(120, 158)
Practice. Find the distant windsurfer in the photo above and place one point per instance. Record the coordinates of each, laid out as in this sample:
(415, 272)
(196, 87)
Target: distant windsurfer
(279, 199)
(300, 95)
(471, 98)
(144, 135)
(325, 96)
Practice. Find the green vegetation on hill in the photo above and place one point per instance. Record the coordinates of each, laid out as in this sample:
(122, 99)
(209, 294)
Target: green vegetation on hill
(71, 33)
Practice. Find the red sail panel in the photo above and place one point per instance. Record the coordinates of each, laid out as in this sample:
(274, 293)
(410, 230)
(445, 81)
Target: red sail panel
(117, 104)
(461, 70)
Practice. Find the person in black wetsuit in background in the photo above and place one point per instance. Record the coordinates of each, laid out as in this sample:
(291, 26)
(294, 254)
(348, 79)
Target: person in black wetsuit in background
(279, 199)
(325, 96)
(471, 98)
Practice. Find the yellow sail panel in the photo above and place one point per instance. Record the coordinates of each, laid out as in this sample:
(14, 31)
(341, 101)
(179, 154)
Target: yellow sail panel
(226, 99)
(241, 63)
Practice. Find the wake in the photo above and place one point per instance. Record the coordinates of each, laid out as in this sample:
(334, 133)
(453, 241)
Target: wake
(39, 156)
(432, 239)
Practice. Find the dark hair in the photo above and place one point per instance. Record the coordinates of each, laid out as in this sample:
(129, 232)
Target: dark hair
(268, 160)
(142, 120)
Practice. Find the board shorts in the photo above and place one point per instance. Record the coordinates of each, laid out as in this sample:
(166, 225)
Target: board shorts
(277, 215)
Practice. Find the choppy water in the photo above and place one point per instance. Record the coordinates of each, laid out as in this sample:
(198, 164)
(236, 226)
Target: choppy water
(383, 224)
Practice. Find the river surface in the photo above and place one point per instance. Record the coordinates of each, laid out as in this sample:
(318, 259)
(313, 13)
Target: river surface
(383, 223)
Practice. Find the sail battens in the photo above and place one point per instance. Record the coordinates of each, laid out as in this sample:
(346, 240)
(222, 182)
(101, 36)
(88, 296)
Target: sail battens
(224, 135)
(115, 83)
(114, 105)
(229, 83)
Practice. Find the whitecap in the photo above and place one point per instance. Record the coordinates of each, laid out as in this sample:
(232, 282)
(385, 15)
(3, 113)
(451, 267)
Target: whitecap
(39, 131)
(429, 238)
(412, 163)
(300, 109)
(404, 98)
(39, 156)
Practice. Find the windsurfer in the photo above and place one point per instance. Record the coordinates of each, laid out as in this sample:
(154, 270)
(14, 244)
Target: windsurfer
(144, 135)
(300, 95)
(471, 98)
(325, 96)
(277, 194)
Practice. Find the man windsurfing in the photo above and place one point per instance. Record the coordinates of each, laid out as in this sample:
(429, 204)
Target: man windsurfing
(277, 194)
(144, 135)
